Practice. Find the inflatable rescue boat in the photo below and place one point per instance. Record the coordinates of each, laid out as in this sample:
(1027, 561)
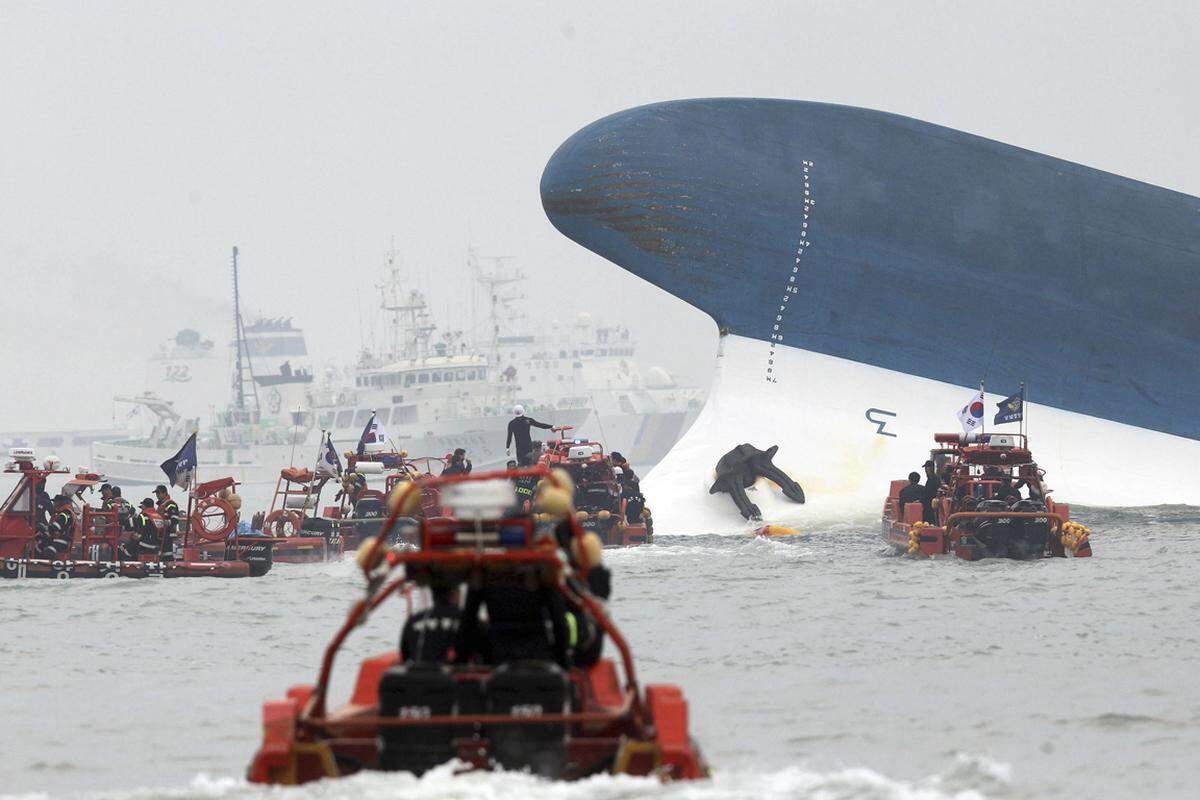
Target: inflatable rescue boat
(538, 716)
(992, 502)
(94, 549)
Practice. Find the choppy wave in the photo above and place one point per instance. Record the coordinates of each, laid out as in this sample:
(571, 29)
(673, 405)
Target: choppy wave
(970, 778)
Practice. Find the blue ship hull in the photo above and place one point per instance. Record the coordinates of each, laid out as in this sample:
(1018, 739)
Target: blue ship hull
(903, 245)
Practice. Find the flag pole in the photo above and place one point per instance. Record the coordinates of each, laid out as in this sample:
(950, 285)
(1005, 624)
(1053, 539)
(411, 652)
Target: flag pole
(295, 425)
(187, 521)
(1024, 413)
(316, 464)
(983, 419)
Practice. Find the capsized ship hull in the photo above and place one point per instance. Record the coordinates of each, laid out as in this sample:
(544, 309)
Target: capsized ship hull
(868, 269)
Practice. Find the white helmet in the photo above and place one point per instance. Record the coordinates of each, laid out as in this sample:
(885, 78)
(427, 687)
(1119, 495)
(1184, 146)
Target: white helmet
(519, 410)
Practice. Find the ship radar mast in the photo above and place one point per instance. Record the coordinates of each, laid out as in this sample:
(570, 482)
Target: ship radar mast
(501, 301)
(244, 369)
(410, 324)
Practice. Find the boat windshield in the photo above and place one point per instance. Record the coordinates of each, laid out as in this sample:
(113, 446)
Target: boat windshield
(18, 499)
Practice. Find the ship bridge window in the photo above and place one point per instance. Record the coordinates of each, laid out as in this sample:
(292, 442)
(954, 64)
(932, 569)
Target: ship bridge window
(361, 416)
(448, 376)
(344, 418)
(382, 415)
(376, 380)
(18, 500)
(423, 377)
(471, 374)
(437, 377)
(358, 381)
(460, 374)
(397, 398)
(409, 379)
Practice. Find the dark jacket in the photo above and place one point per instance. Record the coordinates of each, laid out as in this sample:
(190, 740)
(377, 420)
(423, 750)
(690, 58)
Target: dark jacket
(912, 493)
(518, 431)
(599, 582)
(522, 624)
(428, 635)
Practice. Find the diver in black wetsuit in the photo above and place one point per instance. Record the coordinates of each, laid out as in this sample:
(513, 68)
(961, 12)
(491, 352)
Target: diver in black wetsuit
(518, 432)
(523, 624)
(429, 635)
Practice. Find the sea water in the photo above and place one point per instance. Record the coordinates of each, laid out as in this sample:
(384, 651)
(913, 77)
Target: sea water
(816, 666)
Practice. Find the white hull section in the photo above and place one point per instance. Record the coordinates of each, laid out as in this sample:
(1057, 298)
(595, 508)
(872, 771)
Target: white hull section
(816, 411)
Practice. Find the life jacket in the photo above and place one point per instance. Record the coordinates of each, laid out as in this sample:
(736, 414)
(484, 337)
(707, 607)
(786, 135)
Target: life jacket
(63, 525)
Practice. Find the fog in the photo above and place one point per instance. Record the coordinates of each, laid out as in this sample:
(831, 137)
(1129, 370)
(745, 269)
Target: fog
(140, 142)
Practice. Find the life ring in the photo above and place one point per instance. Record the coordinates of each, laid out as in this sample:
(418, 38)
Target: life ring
(214, 519)
(284, 522)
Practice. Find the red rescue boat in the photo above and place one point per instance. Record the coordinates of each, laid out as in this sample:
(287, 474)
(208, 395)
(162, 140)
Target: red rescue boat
(97, 536)
(562, 724)
(606, 502)
(980, 510)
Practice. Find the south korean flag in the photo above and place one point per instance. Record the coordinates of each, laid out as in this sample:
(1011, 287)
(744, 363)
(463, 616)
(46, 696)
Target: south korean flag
(971, 415)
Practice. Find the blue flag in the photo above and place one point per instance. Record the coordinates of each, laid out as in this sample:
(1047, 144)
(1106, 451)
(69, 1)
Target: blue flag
(181, 467)
(1012, 409)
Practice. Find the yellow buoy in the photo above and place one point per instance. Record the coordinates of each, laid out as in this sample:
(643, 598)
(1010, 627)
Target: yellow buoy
(771, 531)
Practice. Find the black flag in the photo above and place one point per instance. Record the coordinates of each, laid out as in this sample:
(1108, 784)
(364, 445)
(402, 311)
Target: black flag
(181, 467)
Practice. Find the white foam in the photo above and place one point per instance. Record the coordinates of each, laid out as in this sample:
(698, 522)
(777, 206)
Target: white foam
(972, 778)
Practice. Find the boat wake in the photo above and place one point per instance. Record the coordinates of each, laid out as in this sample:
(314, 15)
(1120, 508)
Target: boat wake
(969, 778)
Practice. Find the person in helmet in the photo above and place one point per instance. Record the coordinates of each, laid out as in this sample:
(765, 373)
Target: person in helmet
(146, 540)
(55, 541)
(105, 496)
(518, 433)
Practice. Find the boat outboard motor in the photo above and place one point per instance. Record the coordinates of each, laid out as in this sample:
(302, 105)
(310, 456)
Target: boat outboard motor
(529, 689)
(255, 549)
(741, 467)
(373, 510)
(417, 691)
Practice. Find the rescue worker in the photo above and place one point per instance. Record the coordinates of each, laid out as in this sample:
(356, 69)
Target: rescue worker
(599, 584)
(169, 510)
(43, 509)
(353, 485)
(633, 499)
(525, 486)
(618, 460)
(55, 541)
(146, 540)
(429, 635)
(932, 484)
(459, 464)
(914, 492)
(105, 496)
(523, 624)
(518, 433)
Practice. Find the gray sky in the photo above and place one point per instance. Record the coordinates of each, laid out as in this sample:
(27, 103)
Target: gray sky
(138, 142)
